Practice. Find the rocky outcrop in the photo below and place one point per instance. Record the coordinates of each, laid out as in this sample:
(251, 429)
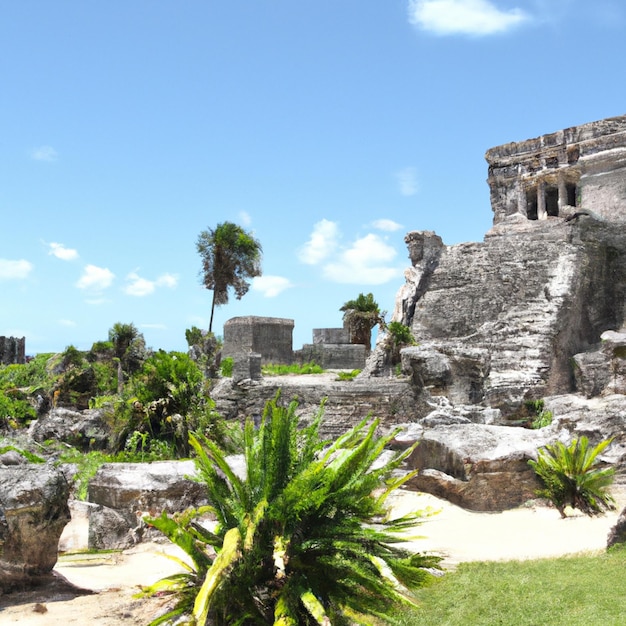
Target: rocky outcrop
(86, 430)
(479, 467)
(122, 493)
(499, 321)
(33, 513)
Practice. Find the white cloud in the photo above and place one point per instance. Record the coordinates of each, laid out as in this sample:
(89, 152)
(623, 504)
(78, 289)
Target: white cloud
(321, 244)
(367, 262)
(140, 287)
(95, 278)
(44, 153)
(244, 218)
(14, 270)
(154, 326)
(407, 181)
(67, 323)
(61, 252)
(271, 286)
(387, 225)
(464, 17)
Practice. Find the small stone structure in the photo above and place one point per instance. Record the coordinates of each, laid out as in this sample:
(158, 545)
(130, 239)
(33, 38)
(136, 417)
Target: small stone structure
(575, 169)
(12, 350)
(331, 349)
(271, 337)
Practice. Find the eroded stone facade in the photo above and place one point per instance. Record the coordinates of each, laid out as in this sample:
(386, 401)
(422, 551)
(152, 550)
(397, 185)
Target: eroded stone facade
(582, 168)
(12, 350)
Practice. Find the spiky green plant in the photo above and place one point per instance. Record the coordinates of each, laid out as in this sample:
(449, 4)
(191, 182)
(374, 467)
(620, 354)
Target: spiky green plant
(303, 538)
(571, 476)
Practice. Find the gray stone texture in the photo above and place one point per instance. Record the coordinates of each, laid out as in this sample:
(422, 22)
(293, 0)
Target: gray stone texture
(12, 350)
(272, 337)
(33, 513)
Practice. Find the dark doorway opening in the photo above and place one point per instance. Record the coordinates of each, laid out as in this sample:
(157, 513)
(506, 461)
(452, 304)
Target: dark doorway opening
(531, 204)
(552, 201)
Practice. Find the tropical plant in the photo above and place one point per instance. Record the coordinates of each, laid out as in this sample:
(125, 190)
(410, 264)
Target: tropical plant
(398, 336)
(304, 537)
(571, 476)
(230, 257)
(129, 348)
(204, 349)
(360, 316)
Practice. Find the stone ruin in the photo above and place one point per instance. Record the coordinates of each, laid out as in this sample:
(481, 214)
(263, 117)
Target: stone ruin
(579, 168)
(12, 350)
(253, 341)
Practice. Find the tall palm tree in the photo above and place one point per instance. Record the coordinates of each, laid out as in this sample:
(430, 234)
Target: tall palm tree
(230, 256)
(361, 315)
(303, 538)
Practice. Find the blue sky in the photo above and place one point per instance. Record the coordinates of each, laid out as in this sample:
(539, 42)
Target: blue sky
(328, 128)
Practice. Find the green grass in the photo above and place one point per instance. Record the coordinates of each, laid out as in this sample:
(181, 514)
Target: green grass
(272, 369)
(572, 591)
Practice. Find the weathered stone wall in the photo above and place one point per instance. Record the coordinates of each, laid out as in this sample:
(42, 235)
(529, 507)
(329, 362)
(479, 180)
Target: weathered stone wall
(271, 337)
(504, 318)
(583, 167)
(337, 356)
(12, 350)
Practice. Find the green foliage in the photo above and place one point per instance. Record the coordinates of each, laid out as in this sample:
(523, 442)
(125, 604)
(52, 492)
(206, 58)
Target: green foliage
(230, 257)
(398, 336)
(29, 456)
(271, 369)
(226, 367)
(540, 417)
(348, 375)
(571, 476)
(303, 538)
(15, 410)
(204, 349)
(568, 591)
(361, 315)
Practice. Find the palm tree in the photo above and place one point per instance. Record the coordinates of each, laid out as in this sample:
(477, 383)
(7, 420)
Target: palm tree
(571, 476)
(128, 349)
(304, 537)
(230, 256)
(361, 315)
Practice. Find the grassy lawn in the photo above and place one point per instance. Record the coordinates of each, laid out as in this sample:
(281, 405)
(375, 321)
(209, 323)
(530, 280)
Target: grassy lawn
(587, 589)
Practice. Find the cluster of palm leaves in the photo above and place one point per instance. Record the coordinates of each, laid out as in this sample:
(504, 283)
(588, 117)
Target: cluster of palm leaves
(303, 538)
(572, 476)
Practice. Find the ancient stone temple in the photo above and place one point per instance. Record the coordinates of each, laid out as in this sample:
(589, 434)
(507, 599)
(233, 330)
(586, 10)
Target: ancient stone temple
(271, 337)
(575, 169)
(12, 350)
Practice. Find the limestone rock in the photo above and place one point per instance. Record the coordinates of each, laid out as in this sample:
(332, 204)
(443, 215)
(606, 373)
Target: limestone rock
(134, 489)
(33, 513)
(617, 534)
(87, 430)
(478, 467)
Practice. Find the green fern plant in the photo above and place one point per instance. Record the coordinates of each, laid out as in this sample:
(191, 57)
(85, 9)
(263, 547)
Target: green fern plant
(303, 538)
(571, 476)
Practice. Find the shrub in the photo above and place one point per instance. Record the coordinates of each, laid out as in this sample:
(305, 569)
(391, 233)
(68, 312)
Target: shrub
(303, 538)
(226, 367)
(348, 375)
(571, 476)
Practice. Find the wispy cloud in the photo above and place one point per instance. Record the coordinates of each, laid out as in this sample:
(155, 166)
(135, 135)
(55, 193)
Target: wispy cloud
(322, 243)
(138, 286)
(464, 17)
(244, 218)
(95, 278)
(44, 153)
(153, 326)
(407, 181)
(366, 262)
(271, 286)
(15, 270)
(386, 225)
(67, 323)
(61, 252)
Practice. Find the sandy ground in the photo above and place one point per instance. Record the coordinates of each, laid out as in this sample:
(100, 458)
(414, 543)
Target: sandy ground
(456, 534)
